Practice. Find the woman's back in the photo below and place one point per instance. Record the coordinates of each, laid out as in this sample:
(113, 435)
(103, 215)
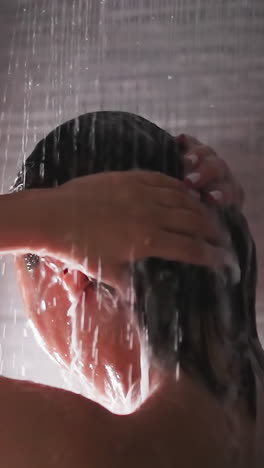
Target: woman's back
(41, 426)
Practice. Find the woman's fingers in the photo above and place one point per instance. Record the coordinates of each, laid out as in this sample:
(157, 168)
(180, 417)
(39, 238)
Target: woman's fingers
(182, 248)
(206, 172)
(177, 211)
(191, 162)
(155, 179)
(209, 170)
(195, 224)
(214, 179)
(201, 163)
(223, 193)
(172, 198)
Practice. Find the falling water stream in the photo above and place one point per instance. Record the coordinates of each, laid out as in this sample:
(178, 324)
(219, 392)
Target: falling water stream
(187, 65)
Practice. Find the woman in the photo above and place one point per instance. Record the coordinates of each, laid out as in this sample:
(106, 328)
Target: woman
(191, 233)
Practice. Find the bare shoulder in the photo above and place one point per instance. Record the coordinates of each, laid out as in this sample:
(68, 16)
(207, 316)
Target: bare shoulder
(45, 427)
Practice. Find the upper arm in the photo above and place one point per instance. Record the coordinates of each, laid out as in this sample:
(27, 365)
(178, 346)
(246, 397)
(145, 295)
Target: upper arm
(45, 427)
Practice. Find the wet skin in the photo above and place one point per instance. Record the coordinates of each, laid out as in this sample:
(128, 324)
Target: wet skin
(176, 412)
(180, 425)
(110, 351)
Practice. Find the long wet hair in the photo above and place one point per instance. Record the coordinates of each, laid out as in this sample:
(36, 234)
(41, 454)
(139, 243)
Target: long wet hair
(188, 314)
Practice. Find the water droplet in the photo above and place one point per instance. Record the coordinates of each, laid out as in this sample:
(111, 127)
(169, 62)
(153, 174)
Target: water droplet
(43, 305)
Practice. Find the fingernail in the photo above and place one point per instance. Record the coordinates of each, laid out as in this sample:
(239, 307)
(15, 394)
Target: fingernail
(194, 194)
(192, 158)
(216, 194)
(193, 177)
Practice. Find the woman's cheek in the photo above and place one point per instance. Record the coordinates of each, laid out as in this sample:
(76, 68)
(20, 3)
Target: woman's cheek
(109, 351)
(46, 305)
(103, 347)
(53, 323)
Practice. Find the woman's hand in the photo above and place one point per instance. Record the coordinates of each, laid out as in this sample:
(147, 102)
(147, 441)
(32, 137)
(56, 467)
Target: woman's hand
(120, 217)
(209, 174)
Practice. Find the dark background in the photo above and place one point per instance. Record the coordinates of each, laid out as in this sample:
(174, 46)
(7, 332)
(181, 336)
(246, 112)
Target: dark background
(194, 66)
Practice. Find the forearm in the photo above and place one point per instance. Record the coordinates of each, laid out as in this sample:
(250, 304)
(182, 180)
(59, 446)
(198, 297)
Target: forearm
(23, 216)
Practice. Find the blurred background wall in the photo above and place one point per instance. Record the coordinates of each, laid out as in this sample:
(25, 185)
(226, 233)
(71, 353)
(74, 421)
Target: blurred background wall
(194, 66)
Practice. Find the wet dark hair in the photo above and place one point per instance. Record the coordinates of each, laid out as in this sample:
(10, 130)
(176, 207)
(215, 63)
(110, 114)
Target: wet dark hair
(188, 313)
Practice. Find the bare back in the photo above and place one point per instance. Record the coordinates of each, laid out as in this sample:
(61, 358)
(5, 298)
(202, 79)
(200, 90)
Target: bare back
(47, 427)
